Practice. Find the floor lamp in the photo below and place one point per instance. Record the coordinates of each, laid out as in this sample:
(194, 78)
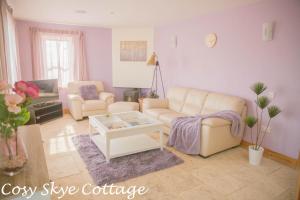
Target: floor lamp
(154, 61)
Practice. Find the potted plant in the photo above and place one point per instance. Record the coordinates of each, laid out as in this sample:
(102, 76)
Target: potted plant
(262, 102)
(14, 113)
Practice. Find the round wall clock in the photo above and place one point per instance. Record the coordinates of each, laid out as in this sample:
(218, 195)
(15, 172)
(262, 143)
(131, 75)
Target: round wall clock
(211, 40)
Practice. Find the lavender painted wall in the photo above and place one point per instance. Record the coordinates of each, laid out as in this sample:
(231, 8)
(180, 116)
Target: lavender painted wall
(241, 58)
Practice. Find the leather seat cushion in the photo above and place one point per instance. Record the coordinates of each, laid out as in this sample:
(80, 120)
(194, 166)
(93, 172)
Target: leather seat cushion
(167, 118)
(93, 105)
(156, 112)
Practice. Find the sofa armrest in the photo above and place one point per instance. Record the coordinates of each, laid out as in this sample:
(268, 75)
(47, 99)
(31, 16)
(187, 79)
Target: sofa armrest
(75, 97)
(155, 103)
(216, 122)
(75, 106)
(108, 97)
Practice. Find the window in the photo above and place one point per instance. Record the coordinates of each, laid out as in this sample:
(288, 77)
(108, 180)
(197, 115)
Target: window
(58, 54)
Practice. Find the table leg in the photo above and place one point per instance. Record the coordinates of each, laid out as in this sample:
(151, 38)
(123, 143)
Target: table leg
(161, 139)
(107, 144)
(90, 131)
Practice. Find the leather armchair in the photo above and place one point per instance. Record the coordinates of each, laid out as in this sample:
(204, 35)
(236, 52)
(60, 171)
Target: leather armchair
(80, 108)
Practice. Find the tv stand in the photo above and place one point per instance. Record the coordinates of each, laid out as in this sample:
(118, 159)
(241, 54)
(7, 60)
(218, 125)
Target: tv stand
(45, 111)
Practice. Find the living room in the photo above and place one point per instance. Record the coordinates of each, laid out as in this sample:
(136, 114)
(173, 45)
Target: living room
(149, 100)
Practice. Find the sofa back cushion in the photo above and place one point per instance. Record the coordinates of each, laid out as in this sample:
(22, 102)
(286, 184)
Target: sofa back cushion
(217, 102)
(194, 102)
(176, 97)
(74, 87)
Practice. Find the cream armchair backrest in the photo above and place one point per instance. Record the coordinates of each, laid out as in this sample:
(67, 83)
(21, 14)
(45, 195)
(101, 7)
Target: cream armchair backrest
(74, 87)
(80, 108)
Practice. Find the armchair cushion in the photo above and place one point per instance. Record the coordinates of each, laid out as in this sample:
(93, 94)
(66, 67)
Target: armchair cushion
(90, 105)
(88, 92)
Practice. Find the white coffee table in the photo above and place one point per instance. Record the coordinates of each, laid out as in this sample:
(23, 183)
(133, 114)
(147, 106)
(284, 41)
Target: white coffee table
(125, 133)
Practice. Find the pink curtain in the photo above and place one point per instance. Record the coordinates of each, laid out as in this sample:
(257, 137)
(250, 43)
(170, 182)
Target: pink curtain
(15, 69)
(81, 59)
(36, 53)
(80, 67)
(3, 65)
(9, 54)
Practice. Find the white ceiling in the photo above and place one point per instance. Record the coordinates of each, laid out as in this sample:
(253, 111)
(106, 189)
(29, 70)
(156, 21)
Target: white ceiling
(111, 13)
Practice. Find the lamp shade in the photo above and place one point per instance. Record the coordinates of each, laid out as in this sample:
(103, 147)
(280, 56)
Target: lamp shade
(152, 60)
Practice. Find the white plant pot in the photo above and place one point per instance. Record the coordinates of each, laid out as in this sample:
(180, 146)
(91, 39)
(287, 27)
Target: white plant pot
(255, 156)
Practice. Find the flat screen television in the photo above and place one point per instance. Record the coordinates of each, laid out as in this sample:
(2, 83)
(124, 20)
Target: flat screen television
(48, 90)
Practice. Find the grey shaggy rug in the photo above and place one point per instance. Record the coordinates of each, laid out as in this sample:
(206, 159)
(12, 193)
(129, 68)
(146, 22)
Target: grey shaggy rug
(122, 168)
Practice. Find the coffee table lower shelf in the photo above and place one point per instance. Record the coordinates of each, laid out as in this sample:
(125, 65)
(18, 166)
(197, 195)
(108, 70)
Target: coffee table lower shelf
(125, 145)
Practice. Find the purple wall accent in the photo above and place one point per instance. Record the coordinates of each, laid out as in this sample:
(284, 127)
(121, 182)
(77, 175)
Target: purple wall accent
(241, 58)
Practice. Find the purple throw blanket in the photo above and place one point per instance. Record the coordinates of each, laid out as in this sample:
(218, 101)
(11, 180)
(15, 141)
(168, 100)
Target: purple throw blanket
(185, 131)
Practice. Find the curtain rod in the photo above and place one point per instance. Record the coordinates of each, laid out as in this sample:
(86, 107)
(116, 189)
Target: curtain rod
(5, 4)
(46, 30)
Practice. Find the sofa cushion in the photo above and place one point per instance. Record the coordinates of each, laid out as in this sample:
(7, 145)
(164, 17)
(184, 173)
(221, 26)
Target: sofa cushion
(215, 122)
(167, 118)
(89, 105)
(88, 92)
(217, 102)
(176, 97)
(194, 102)
(156, 112)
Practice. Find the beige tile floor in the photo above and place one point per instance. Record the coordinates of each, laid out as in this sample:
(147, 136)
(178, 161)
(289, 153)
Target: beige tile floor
(226, 175)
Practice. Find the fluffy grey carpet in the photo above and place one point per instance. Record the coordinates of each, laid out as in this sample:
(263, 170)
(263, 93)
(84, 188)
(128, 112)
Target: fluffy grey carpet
(122, 168)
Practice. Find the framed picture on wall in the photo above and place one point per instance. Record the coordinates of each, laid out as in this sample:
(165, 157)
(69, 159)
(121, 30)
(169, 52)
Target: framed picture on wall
(133, 51)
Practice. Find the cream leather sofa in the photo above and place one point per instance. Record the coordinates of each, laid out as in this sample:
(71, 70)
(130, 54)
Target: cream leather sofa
(80, 108)
(215, 135)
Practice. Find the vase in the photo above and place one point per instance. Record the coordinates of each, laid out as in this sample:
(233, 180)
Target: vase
(13, 155)
(255, 155)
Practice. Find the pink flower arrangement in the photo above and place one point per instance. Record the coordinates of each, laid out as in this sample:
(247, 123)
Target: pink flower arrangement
(12, 101)
(14, 112)
(26, 89)
(24, 92)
